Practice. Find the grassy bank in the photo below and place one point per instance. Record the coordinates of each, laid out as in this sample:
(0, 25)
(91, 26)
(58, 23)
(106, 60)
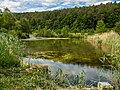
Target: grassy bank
(14, 75)
(109, 41)
(37, 78)
(10, 50)
(110, 44)
(21, 79)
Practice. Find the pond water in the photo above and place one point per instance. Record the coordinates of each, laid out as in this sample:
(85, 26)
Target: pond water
(73, 51)
(71, 55)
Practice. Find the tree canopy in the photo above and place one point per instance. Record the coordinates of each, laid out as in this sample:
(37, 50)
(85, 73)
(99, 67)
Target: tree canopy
(89, 19)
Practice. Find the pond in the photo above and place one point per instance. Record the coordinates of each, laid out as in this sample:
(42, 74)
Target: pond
(71, 55)
(73, 51)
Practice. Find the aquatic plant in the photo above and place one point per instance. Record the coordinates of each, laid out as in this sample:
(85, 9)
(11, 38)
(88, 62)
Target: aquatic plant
(112, 59)
(37, 78)
(110, 44)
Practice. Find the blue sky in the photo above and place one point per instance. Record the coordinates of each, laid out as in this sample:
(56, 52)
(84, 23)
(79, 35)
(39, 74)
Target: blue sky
(45, 5)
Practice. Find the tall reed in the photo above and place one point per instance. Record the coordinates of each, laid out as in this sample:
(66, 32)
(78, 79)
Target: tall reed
(9, 50)
(112, 59)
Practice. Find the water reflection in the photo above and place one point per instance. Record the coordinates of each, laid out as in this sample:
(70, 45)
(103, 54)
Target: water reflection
(93, 74)
(67, 51)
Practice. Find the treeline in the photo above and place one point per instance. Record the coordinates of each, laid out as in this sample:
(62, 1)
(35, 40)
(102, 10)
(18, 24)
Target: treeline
(10, 24)
(66, 22)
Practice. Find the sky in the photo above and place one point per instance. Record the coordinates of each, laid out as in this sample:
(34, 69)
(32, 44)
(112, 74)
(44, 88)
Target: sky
(47, 5)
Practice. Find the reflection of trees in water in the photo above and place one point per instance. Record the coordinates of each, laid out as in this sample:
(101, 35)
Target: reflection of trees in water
(71, 50)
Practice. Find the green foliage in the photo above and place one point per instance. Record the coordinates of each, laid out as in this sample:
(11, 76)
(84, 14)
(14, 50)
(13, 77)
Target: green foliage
(45, 33)
(99, 41)
(61, 79)
(18, 25)
(100, 27)
(23, 35)
(13, 32)
(112, 59)
(76, 30)
(117, 27)
(92, 19)
(37, 78)
(9, 51)
(78, 20)
(25, 26)
(3, 30)
(76, 35)
(65, 31)
(9, 24)
(8, 19)
(19, 78)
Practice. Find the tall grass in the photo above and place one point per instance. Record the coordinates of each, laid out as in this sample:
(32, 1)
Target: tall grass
(9, 50)
(111, 58)
(110, 44)
(114, 59)
(38, 79)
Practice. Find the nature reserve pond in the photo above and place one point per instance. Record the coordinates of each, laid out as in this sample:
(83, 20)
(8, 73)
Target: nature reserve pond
(71, 55)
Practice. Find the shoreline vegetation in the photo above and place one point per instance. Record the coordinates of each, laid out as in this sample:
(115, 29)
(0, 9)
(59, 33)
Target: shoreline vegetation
(110, 44)
(105, 40)
(93, 23)
(21, 74)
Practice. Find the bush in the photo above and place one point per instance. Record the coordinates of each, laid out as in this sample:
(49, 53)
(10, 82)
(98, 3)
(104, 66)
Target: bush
(76, 35)
(23, 35)
(117, 27)
(13, 32)
(112, 59)
(9, 50)
(3, 30)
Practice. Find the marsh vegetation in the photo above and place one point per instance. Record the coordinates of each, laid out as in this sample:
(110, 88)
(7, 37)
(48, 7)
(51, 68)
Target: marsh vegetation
(89, 46)
(66, 50)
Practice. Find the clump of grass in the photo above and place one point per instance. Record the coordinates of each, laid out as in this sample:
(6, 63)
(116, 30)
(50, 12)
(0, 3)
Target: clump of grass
(101, 38)
(9, 50)
(99, 41)
(112, 59)
(110, 44)
(18, 78)
(114, 42)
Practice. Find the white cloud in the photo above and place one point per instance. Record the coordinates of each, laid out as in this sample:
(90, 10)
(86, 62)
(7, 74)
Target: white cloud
(103, 2)
(85, 0)
(34, 9)
(43, 5)
(51, 1)
(66, 3)
(9, 4)
(54, 8)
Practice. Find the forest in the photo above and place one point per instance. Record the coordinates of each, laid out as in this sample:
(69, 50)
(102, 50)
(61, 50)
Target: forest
(68, 61)
(62, 23)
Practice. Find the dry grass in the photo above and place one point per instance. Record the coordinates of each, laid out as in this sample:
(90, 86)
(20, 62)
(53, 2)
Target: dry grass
(109, 39)
(104, 36)
(111, 46)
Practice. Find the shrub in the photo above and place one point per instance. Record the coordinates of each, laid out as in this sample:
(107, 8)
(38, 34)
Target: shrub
(3, 30)
(112, 59)
(9, 50)
(117, 27)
